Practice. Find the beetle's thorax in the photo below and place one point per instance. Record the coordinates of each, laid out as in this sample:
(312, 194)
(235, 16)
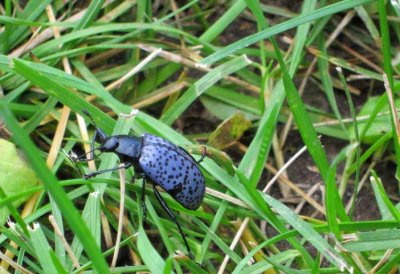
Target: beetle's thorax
(128, 148)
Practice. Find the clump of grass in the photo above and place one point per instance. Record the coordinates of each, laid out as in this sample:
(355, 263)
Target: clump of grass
(172, 61)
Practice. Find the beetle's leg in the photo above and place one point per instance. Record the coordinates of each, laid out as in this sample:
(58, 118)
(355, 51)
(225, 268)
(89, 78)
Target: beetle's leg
(203, 154)
(171, 215)
(143, 198)
(90, 175)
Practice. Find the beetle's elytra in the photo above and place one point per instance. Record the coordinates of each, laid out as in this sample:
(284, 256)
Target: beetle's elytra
(163, 163)
(173, 169)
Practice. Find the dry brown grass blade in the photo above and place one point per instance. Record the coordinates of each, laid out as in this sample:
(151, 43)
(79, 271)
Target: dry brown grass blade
(161, 94)
(43, 37)
(121, 214)
(16, 266)
(68, 248)
(233, 244)
(225, 197)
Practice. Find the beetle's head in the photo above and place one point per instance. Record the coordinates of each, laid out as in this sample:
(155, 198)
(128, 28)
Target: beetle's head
(109, 144)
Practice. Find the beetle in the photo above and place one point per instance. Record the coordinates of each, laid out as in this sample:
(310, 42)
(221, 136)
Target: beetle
(155, 159)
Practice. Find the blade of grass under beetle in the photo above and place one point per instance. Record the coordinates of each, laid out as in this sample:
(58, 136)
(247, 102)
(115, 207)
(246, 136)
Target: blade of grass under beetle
(289, 24)
(52, 186)
(200, 86)
(308, 232)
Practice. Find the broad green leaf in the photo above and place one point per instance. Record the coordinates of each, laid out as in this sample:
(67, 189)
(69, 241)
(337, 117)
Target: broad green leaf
(15, 175)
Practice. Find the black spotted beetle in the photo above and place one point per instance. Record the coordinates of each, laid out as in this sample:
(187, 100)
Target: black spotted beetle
(163, 163)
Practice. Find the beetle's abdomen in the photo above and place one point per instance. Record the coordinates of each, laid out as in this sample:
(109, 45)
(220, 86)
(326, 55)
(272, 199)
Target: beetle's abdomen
(172, 168)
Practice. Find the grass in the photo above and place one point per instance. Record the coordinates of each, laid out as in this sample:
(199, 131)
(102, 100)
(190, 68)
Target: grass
(269, 63)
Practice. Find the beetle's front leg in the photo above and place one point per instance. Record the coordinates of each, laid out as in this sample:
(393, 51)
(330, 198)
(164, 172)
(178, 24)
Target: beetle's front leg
(93, 174)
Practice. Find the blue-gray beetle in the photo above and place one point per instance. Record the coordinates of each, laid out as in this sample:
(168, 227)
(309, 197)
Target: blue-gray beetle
(165, 164)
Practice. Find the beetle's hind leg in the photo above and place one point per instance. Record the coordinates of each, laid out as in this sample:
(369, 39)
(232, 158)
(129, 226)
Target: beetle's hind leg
(172, 217)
